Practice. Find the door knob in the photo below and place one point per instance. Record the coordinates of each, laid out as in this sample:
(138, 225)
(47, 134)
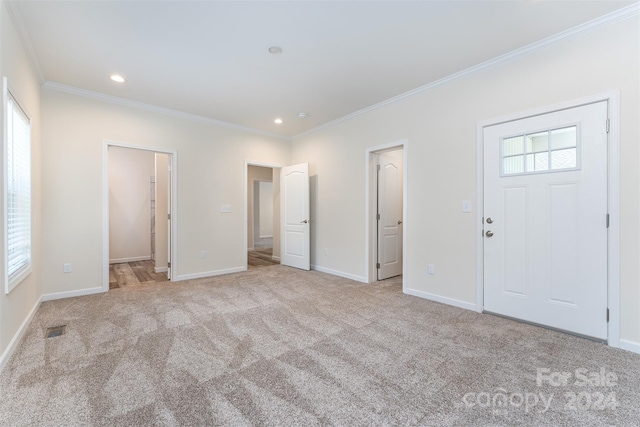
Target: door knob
(489, 233)
(304, 222)
(489, 220)
(399, 221)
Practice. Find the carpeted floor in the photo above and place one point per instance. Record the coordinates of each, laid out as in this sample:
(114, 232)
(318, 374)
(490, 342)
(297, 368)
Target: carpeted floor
(279, 346)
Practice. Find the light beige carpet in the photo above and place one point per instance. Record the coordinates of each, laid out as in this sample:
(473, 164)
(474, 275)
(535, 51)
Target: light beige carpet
(278, 346)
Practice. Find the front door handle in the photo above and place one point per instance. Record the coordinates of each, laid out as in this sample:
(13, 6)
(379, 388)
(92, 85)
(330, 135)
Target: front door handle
(489, 233)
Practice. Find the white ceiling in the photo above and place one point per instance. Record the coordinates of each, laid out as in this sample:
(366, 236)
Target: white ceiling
(210, 58)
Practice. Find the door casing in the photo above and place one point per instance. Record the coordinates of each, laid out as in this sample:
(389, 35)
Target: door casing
(173, 185)
(384, 201)
(248, 163)
(371, 208)
(613, 250)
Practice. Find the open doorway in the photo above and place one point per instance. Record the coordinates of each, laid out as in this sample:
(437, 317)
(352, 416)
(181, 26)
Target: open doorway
(138, 183)
(263, 215)
(386, 211)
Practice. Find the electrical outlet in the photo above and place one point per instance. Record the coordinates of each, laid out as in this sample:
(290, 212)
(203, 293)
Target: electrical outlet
(66, 267)
(466, 206)
(431, 269)
(203, 254)
(225, 208)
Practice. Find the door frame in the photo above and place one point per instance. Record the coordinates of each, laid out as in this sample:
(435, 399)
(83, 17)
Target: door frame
(613, 235)
(173, 155)
(248, 163)
(371, 200)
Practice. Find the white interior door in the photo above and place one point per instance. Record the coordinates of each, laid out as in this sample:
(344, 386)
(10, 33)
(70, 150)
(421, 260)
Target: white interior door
(294, 196)
(545, 209)
(389, 214)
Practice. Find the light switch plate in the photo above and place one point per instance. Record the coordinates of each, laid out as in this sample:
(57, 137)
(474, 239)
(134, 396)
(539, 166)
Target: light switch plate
(466, 206)
(225, 208)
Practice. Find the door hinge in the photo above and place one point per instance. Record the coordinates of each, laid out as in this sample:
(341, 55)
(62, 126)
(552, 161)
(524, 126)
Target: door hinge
(607, 220)
(168, 216)
(377, 265)
(168, 265)
(608, 125)
(378, 216)
(378, 167)
(607, 314)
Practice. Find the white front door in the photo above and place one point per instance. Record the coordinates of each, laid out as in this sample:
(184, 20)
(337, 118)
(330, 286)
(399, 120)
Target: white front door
(545, 211)
(294, 195)
(390, 214)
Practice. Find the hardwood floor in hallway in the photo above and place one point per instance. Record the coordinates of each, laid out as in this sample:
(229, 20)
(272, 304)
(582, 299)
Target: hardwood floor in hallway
(261, 258)
(134, 273)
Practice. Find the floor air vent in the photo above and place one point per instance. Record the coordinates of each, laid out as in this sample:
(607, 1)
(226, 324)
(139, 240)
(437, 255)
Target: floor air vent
(55, 331)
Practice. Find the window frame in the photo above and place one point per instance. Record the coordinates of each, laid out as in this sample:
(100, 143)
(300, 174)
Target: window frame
(13, 280)
(550, 150)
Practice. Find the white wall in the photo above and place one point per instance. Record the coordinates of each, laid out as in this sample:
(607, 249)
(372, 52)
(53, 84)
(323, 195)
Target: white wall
(130, 173)
(265, 209)
(161, 226)
(256, 212)
(276, 213)
(210, 172)
(440, 125)
(23, 81)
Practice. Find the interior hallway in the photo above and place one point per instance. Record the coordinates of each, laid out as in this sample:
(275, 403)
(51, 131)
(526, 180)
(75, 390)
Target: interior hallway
(262, 254)
(134, 273)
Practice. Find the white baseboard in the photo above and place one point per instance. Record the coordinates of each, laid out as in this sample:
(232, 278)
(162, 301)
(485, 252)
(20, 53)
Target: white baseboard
(209, 273)
(339, 273)
(275, 258)
(132, 259)
(630, 346)
(444, 300)
(13, 344)
(160, 269)
(71, 294)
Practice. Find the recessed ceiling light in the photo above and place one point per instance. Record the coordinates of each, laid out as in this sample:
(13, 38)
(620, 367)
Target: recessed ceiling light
(278, 121)
(275, 50)
(117, 78)
(302, 115)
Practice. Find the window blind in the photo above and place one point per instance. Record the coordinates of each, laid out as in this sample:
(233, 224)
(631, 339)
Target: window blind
(18, 202)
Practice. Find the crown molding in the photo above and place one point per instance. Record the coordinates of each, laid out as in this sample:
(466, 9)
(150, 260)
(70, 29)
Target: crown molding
(58, 87)
(585, 28)
(23, 34)
(577, 31)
